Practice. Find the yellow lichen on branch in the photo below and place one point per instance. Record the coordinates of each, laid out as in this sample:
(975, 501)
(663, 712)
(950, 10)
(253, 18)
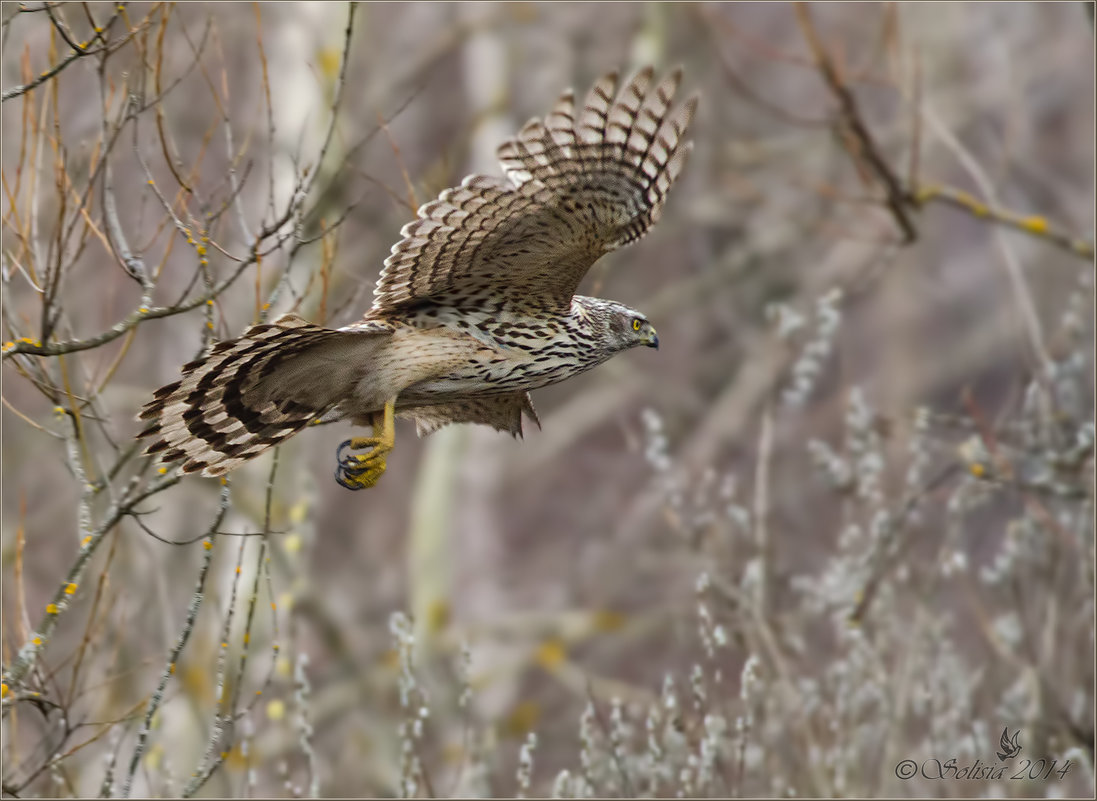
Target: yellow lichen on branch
(1034, 225)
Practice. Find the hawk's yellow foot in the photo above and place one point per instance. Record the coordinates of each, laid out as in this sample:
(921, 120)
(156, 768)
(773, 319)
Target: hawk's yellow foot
(362, 471)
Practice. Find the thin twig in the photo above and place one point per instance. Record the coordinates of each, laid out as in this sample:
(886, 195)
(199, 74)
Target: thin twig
(181, 641)
(851, 117)
(1032, 224)
(28, 654)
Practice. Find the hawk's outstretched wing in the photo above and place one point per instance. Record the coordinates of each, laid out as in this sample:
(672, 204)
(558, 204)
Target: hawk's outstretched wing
(577, 188)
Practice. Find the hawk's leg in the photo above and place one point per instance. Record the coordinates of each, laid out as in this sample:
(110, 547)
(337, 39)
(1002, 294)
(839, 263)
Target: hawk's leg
(360, 471)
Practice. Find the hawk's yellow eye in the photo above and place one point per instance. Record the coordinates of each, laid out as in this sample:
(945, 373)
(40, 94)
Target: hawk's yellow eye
(636, 324)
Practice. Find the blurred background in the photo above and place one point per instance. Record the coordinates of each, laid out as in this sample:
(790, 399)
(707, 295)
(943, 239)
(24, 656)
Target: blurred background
(842, 518)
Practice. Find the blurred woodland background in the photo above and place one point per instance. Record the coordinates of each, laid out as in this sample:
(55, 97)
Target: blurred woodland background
(843, 518)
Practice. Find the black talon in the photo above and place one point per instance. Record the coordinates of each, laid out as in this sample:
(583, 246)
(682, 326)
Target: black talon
(347, 467)
(347, 463)
(343, 482)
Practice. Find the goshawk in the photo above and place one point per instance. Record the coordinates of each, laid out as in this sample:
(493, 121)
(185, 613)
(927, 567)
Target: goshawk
(475, 307)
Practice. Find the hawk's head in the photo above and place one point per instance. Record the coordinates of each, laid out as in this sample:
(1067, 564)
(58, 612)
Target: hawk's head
(628, 328)
(614, 326)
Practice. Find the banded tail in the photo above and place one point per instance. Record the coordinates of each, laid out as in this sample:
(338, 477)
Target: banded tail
(249, 394)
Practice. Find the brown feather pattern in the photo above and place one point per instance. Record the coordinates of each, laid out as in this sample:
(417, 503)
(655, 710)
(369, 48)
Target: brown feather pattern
(475, 306)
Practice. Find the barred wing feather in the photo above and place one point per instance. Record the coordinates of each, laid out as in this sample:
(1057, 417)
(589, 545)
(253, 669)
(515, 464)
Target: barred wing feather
(577, 187)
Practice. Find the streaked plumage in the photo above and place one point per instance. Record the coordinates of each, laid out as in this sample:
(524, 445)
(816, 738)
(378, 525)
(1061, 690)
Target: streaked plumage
(475, 307)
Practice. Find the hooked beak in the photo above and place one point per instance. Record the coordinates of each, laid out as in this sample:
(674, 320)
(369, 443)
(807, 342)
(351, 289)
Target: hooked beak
(653, 340)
